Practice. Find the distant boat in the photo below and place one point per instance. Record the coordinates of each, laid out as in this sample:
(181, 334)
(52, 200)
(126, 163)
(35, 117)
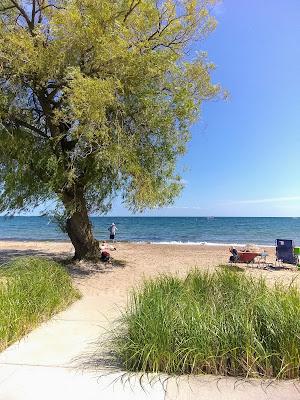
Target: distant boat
(210, 217)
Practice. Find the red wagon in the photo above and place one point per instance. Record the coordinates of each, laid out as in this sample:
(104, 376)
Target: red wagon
(247, 257)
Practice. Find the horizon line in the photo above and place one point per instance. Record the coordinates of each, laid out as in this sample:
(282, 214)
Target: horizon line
(165, 216)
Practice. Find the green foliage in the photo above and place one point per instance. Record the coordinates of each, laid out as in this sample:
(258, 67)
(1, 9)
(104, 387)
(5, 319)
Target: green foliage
(99, 94)
(225, 323)
(31, 291)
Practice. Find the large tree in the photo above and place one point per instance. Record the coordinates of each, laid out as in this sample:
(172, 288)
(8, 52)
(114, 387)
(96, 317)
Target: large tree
(96, 100)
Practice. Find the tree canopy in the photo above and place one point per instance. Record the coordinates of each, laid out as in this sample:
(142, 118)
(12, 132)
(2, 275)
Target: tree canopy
(110, 80)
(97, 98)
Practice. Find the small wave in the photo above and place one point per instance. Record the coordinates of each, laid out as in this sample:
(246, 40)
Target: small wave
(179, 243)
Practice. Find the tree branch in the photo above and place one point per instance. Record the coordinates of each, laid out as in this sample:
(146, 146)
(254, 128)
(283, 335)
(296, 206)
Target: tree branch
(131, 9)
(31, 127)
(23, 14)
(33, 12)
(51, 5)
(7, 8)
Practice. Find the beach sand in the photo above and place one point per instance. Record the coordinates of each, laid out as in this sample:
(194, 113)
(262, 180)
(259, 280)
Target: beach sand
(134, 262)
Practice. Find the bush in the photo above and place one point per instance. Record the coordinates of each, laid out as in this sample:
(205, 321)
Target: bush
(31, 291)
(224, 323)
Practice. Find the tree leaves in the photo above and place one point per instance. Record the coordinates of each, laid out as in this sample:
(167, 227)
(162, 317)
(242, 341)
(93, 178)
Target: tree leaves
(101, 94)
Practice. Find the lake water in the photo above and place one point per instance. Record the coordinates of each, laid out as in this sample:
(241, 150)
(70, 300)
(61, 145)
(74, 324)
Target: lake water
(183, 230)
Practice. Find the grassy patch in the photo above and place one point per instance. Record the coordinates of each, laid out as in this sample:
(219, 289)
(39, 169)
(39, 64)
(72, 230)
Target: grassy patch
(31, 291)
(224, 323)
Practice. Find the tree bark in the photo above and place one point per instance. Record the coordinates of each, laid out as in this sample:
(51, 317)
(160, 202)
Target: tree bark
(79, 228)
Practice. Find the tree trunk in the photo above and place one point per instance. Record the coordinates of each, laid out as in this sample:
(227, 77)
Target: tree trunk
(79, 228)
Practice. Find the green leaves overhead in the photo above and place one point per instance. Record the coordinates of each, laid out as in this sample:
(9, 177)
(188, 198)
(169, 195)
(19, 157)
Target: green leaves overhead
(99, 94)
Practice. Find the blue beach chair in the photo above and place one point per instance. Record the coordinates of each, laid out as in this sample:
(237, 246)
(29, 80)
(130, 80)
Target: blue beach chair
(285, 251)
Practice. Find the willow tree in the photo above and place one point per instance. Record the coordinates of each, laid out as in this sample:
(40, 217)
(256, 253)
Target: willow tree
(96, 100)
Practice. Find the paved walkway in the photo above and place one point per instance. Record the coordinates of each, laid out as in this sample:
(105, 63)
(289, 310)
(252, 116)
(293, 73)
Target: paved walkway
(57, 360)
(62, 360)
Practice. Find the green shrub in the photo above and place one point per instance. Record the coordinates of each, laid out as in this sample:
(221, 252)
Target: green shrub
(224, 323)
(31, 291)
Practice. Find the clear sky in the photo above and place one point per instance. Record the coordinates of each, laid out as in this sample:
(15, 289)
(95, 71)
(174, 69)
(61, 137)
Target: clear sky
(244, 157)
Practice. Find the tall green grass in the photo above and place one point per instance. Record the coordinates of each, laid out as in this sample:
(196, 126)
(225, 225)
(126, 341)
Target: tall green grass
(31, 291)
(224, 323)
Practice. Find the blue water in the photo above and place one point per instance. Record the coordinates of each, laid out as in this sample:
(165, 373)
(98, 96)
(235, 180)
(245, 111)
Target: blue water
(241, 230)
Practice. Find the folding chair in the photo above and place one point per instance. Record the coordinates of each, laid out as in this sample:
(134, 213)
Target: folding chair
(285, 251)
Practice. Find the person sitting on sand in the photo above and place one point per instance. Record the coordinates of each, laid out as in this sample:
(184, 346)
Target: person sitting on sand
(235, 255)
(105, 256)
(105, 248)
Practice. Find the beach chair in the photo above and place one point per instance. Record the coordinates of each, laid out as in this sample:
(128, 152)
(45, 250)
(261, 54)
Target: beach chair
(285, 251)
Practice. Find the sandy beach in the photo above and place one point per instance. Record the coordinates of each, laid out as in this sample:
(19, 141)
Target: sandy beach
(135, 262)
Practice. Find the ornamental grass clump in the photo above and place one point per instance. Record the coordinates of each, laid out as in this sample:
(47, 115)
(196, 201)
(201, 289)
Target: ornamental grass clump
(31, 291)
(223, 323)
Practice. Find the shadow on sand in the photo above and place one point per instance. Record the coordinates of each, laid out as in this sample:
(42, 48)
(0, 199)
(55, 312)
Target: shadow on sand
(77, 269)
(82, 269)
(9, 254)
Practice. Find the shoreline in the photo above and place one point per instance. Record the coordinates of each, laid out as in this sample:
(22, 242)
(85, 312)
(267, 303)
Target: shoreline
(133, 242)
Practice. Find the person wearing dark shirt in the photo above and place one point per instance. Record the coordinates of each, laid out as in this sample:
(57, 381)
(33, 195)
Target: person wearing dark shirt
(235, 255)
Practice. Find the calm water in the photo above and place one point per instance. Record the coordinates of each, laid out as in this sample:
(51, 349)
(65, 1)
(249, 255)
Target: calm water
(169, 229)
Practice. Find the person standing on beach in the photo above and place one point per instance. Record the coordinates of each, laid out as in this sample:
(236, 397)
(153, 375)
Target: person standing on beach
(112, 231)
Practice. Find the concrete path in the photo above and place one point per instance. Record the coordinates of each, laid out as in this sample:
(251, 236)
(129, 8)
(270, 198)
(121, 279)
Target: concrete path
(62, 360)
(57, 360)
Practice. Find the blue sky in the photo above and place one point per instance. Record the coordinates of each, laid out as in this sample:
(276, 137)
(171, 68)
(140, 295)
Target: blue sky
(244, 157)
